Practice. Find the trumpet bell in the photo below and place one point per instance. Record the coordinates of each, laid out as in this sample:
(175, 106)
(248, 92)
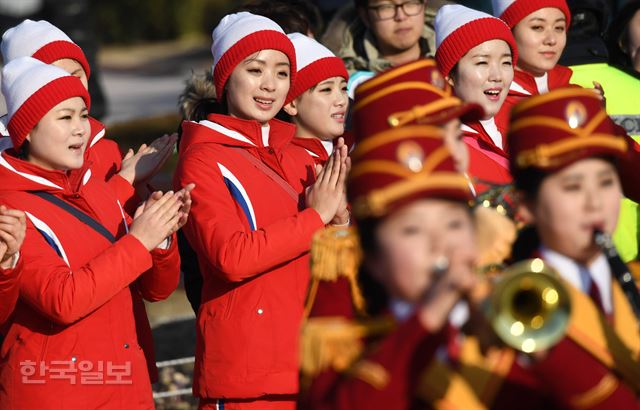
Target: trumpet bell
(529, 307)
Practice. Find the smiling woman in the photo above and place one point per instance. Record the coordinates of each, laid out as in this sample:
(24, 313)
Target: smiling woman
(252, 226)
(540, 30)
(81, 252)
(258, 86)
(476, 52)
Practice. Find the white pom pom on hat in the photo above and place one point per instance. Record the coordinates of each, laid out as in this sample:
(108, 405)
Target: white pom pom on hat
(43, 41)
(239, 35)
(513, 11)
(459, 29)
(316, 63)
(31, 89)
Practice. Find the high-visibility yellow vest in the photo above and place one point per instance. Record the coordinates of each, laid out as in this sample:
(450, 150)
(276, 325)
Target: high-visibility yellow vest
(622, 92)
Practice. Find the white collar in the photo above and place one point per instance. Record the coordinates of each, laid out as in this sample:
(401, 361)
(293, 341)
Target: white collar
(226, 131)
(328, 146)
(518, 88)
(35, 178)
(581, 276)
(98, 137)
(542, 83)
(491, 129)
(466, 128)
(265, 134)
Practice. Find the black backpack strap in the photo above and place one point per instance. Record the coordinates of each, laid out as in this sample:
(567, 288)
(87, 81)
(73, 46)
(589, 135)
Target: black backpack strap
(81, 216)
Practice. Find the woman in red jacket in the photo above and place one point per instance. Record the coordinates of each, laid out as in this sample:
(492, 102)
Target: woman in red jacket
(319, 101)
(476, 53)
(318, 107)
(12, 231)
(249, 226)
(540, 30)
(71, 341)
(47, 43)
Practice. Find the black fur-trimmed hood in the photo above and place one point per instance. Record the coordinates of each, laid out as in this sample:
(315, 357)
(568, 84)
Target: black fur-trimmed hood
(198, 97)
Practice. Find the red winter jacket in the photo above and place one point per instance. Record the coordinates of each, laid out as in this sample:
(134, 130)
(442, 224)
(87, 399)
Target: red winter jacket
(76, 305)
(488, 163)
(106, 162)
(524, 85)
(330, 298)
(321, 150)
(252, 242)
(9, 291)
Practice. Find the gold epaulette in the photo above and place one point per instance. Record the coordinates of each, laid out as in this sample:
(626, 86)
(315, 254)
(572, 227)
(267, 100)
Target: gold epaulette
(495, 234)
(334, 343)
(335, 252)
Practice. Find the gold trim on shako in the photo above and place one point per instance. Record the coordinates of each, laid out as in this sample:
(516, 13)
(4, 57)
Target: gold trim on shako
(437, 79)
(575, 114)
(411, 155)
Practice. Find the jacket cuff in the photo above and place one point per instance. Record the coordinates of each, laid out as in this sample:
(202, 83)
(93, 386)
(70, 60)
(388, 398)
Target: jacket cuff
(312, 219)
(140, 256)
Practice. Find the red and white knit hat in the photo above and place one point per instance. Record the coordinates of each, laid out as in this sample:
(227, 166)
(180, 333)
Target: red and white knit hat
(32, 88)
(459, 29)
(512, 11)
(316, 63)
(239, 35)
(43, 41)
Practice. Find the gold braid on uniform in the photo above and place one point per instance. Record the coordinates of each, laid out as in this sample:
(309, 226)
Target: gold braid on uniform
(335, 252)
(496, 230)
(600, 392)
(336, 342)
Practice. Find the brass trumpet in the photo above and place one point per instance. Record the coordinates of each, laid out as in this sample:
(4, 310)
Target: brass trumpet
(529, 307)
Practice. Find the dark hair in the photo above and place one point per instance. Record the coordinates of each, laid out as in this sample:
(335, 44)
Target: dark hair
(526, 244)
(294, 16)
(375, 294)
(23, 151)
(361, 3)
(528, 181)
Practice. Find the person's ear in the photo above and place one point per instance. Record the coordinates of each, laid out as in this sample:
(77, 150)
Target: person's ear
(449, 79)
(291, 108)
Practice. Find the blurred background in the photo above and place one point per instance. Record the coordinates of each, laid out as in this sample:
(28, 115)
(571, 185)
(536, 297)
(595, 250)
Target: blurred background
(141, 52)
